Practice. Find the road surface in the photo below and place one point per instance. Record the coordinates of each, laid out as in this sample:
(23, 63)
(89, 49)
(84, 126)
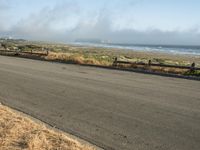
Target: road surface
(112, 109)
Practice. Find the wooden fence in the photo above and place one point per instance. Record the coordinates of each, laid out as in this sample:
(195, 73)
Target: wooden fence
(191, 68)
(18, 52)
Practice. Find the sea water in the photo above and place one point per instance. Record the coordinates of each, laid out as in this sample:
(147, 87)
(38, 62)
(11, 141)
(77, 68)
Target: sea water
(173, 49)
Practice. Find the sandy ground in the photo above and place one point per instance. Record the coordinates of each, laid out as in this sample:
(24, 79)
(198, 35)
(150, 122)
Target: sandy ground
(17, 132)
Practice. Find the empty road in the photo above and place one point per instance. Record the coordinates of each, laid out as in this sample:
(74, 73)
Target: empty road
(113, 109)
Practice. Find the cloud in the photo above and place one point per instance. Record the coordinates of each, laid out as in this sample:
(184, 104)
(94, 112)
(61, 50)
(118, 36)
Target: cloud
(48, 24)
(68, 22)
(3, 8)
(3, 5)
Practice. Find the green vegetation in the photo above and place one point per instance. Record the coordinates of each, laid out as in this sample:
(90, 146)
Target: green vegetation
(193, 73)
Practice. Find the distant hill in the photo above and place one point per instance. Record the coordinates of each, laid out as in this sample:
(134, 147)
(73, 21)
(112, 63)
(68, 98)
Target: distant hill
(11, 40)
(89, 40)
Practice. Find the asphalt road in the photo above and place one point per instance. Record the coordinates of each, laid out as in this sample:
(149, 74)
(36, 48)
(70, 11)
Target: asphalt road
(112, 109)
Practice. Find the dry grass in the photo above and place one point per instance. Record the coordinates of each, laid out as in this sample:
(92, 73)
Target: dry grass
(18, 132)
(105, 57)
(154, 68)
(75, 58)
(78, 58)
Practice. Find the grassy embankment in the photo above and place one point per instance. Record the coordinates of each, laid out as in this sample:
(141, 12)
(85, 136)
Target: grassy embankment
(105, 56)
(18, 132)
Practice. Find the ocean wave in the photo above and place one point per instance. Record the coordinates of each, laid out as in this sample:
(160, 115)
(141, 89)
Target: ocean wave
(173, 49)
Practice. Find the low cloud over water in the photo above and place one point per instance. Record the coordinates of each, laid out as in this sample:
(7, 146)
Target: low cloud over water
(69, 20)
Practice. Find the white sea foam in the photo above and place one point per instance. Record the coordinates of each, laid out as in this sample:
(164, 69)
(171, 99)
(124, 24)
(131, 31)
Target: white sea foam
(173, 49)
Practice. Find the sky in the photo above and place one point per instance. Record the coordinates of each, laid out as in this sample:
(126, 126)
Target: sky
(118, 21)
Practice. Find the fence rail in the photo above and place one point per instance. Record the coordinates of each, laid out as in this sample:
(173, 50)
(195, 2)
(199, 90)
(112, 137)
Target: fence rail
(115, 63)
(23, 52)
(192, 67)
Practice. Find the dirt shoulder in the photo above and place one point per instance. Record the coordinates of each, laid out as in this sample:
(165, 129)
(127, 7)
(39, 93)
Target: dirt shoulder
(18, 132)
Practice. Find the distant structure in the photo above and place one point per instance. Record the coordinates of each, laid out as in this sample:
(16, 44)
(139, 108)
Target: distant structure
(98, 41)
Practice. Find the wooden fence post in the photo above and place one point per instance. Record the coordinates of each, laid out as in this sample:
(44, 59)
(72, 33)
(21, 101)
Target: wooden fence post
(192, 68)
(149, 63)
(115, 62)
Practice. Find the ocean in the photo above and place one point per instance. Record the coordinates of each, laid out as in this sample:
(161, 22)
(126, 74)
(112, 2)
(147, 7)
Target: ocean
(173, 49)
